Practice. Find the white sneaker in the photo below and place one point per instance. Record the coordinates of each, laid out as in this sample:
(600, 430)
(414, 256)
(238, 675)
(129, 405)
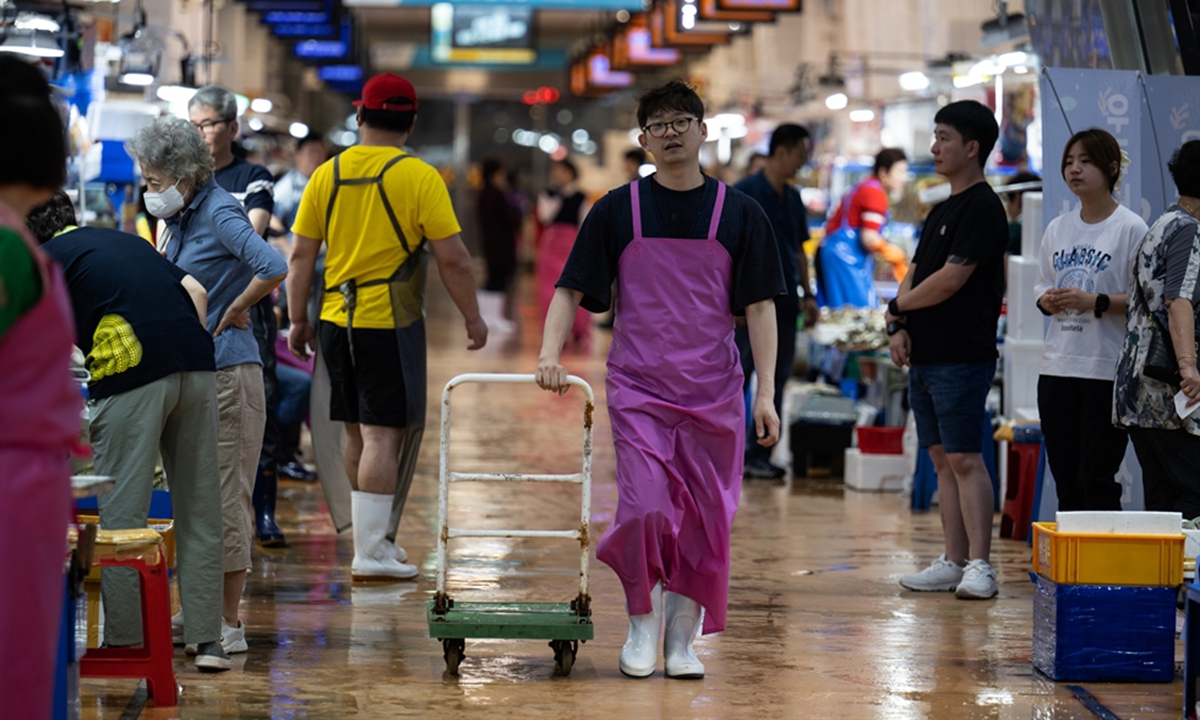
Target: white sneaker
(941, 576)
(233, 639)
(978, 581)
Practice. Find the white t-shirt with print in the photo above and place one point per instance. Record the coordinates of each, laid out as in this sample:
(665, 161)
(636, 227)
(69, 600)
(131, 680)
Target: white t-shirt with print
(1096, 259)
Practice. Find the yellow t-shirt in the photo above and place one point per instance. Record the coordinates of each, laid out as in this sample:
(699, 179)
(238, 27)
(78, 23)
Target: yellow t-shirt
(360, 240)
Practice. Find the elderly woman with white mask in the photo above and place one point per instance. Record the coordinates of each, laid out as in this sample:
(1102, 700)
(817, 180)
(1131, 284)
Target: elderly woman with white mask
(210, 238)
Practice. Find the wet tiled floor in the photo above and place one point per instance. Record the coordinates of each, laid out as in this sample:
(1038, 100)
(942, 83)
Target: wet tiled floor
(818, 627)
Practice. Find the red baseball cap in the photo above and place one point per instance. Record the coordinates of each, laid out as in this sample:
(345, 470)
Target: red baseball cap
(388, 92)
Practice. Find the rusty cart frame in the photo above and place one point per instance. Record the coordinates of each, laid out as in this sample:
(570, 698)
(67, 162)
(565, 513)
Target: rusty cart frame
(565, 625)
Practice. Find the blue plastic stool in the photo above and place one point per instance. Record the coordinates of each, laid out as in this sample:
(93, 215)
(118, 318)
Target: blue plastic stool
(925, 476)
(160, 505)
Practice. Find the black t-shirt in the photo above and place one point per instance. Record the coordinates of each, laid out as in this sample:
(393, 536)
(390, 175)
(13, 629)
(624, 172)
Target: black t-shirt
(133, 319)
(251, 184)
(608, 229)
(961, 329)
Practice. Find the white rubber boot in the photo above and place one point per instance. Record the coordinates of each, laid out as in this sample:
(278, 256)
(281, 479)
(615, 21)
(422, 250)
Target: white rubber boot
(374, 557)
(683, 623)
(491, 307)
(639, 656)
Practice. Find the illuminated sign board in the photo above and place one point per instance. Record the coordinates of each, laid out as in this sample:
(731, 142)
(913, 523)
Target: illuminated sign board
(776, 5)
(340, 73)
(630, 5)
(632, 46)
(667, 28)
(711, 10)
(338, 49)
(490, 34)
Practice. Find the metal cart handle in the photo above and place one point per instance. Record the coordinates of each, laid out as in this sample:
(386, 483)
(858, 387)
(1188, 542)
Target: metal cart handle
(445, 477)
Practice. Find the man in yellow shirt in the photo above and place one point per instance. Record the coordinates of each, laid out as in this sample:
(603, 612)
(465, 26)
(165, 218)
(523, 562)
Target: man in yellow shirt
(379, 210)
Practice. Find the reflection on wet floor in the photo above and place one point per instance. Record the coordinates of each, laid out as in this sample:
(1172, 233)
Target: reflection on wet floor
(818, 627)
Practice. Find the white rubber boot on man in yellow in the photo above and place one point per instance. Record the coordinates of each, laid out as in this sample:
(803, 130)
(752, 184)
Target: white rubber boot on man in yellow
(639, 656)
(375, 559)
(683, 624)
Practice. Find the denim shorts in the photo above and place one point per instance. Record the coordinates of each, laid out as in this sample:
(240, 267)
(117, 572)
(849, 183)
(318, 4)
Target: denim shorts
(948, 402)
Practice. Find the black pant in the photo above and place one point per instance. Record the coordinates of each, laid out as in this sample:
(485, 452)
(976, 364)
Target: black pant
(1169, 459)
(262, 322)
(1083, 447)
(787, 312)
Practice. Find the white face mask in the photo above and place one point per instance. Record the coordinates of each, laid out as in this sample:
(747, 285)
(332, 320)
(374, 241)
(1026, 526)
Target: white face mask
(166, 203)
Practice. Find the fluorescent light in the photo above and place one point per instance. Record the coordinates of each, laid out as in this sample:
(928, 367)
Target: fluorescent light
(32, 44)
(913, 81)
(255, 124)
(1020, 69)
(837, 101)
(137, 79)
(965, 81)
(1013, 59)
(261, 105)
(547, 144)
(30, 21)
(863, 115)
(298, 130)
(580, 136)
(175, 93)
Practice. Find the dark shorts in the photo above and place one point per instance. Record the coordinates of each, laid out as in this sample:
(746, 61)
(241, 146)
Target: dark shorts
(367, 388)
(949, 404)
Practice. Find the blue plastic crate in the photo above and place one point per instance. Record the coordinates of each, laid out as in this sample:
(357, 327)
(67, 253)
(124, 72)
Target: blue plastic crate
(1104, 633)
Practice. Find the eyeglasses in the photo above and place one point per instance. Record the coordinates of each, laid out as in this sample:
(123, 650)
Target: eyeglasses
(679, 125)
(207, 126)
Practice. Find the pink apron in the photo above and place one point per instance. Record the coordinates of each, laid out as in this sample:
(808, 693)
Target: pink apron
(39, 423)
(557, 241)
(675, 400)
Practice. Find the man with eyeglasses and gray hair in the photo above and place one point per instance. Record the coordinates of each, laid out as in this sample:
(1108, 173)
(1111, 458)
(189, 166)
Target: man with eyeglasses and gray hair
(214, 112)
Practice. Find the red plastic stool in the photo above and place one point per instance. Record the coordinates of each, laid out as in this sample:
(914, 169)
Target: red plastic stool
(1023, 459)
(141, 550)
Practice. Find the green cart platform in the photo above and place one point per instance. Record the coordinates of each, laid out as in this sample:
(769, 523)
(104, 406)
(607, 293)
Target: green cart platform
(565, 625)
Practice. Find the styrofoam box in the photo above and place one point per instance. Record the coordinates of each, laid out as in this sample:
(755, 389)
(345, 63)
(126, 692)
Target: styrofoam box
(1119, 522)
(1031, 225)
(1022, 363)
(1025, 321)
(119, 119)
(1191, 545)
(877, 473)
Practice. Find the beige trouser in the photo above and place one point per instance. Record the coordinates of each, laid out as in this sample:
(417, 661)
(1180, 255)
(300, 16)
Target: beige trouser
(241, 414)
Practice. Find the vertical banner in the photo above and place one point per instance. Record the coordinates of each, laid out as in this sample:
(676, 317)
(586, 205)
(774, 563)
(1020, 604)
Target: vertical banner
(1078, 99)
(1174, 118)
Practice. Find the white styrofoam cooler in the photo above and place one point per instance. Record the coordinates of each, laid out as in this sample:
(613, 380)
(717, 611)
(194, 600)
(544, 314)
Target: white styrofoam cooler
(1025, 321)
(875, 473)
(1022, 364)
(1032, 228)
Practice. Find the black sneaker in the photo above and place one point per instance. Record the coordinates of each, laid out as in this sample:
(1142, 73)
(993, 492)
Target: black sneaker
(296, 471)
(763, 470)
(211, 658)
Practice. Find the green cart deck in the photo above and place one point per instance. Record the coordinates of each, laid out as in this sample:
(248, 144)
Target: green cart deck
(520, 620)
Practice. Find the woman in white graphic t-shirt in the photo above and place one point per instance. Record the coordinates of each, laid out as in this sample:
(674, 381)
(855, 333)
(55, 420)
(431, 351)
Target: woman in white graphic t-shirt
(1084, 274)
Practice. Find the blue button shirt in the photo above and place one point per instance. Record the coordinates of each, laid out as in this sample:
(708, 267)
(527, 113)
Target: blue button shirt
(788, 220)
(213, 241)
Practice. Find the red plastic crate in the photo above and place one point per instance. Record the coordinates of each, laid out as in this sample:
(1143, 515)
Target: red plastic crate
(880, 440)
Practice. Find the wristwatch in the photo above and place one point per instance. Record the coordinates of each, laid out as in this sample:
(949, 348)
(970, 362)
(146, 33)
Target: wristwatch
(894, 327)
(893, 307)
(1102, 304)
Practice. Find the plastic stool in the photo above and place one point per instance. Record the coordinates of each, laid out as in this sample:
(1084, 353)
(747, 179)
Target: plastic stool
(1023, 462)
(143, 551)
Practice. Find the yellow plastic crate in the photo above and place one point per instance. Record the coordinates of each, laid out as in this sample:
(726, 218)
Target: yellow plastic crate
(1107, 559)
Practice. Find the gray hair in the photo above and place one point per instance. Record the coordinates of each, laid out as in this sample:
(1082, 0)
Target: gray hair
(173, 145)
(217, 98)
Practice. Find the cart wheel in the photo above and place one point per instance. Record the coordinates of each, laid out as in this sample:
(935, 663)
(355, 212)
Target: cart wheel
(564, 654)
(454, 650)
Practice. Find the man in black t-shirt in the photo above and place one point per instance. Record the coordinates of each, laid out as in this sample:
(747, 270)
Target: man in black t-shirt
(213, 110)
(943, 325)
(688, 254)
(140, 321)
